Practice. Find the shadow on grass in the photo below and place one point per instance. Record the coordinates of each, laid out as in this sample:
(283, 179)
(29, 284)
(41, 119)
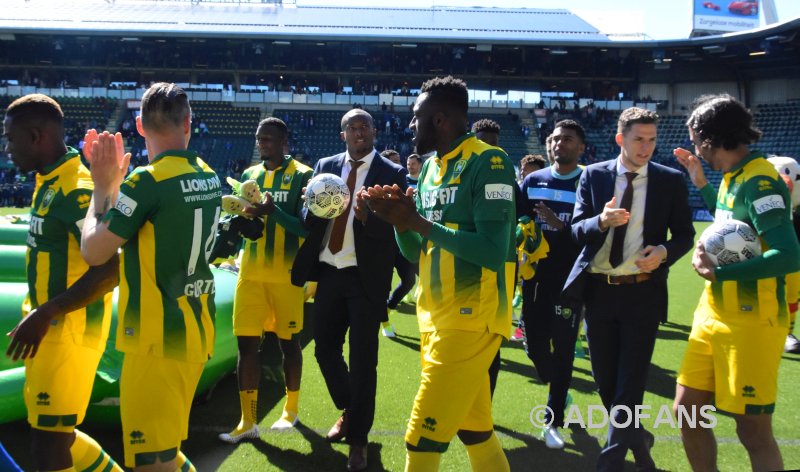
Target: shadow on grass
(580, 453)
(411, 342)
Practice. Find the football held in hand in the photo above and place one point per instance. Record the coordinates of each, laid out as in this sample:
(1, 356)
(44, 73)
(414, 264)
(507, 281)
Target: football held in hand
(730, 241)
(327, 196)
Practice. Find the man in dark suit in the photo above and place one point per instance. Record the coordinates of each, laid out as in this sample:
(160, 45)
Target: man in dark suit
(352, 258)
(623, 211)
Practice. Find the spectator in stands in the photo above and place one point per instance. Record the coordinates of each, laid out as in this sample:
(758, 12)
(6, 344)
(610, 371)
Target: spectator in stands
(487, 131)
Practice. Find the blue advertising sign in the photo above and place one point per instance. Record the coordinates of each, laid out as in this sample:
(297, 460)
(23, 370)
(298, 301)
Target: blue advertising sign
(725, 15)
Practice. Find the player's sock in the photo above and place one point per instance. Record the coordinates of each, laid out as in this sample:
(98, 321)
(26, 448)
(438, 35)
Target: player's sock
(488, 456)
(183, 464)
(88, 455)
(422, 461)
(248, 399)
(292, 401)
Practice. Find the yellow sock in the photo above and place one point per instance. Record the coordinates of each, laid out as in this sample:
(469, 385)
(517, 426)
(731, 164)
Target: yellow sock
(488, 456)
(183, 464)
(248, 399)
(292, 401)
(422, 461)
(88, 455)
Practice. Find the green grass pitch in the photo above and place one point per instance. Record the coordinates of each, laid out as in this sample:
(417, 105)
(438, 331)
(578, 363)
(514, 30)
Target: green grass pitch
(305, 449)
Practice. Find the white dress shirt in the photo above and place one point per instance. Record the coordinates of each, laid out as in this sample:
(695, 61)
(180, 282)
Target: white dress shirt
(347, 256)
(634, 236)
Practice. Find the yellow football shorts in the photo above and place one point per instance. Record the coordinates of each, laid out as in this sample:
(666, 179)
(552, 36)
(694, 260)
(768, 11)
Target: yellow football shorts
(454, 389)
(155, 396)
(271, 307)
(738, 363)
(58, 385)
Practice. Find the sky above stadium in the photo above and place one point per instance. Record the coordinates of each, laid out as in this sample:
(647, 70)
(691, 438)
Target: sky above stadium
(658, 19)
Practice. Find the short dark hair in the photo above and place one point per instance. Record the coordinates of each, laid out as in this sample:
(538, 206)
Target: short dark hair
(485, 125)
(35, 107)
(277, 123)
(389, 152)
(574, 126)
(164, 105)
(447, 92)
(415, 157)
(722, 121)
(533, 159)
(356, 112)
(635, 116)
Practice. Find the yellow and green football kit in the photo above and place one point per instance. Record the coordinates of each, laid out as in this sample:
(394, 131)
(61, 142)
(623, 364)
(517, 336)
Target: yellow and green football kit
(741, 321)
(167, 212)
(466, 268)
(265, 298)
(59, 379)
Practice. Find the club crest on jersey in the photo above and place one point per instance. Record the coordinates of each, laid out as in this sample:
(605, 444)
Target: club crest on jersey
(287, 178)
(457, 170)
(48, 198)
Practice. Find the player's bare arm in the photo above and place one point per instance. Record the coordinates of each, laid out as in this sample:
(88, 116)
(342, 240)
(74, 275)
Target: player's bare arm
(109, 163)
(29, 332)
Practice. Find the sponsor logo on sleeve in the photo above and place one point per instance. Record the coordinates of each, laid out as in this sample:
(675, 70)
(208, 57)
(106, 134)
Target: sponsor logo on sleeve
(770, 202)
(499, 192)
(125, 204)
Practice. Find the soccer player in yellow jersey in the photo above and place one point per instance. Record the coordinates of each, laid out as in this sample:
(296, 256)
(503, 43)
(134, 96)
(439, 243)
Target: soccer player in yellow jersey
(164, 216)
(741, 322)
(66, 316)
(266, 300)
(460, 225)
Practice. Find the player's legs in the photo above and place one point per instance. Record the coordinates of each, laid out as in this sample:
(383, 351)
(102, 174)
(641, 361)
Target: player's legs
(50, 449)
(695, 388)
(452, 357)
(286, 305)
(155, 402)
(247, 372)
(58, 386)
(699, 443)
(755, 433)
(292, 373)
(250, 311)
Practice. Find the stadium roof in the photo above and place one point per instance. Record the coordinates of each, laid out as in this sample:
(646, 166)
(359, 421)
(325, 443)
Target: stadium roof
(286, 22)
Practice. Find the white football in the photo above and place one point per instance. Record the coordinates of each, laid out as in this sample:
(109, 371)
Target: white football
(327, 196)
(730, 241)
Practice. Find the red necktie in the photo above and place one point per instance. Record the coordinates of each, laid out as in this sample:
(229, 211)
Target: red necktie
(340, 223)
(615, 257)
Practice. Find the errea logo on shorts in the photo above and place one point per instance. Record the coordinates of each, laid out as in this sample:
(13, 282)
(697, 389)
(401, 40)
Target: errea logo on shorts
(498, 192)
(137, 437)
(125, 204)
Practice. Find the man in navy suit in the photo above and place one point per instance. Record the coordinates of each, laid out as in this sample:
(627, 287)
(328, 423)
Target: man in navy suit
(352, 258)
(623, 211)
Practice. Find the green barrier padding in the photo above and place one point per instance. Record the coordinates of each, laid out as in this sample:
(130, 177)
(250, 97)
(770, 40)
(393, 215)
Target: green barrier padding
(13, 234)
(12, 263)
